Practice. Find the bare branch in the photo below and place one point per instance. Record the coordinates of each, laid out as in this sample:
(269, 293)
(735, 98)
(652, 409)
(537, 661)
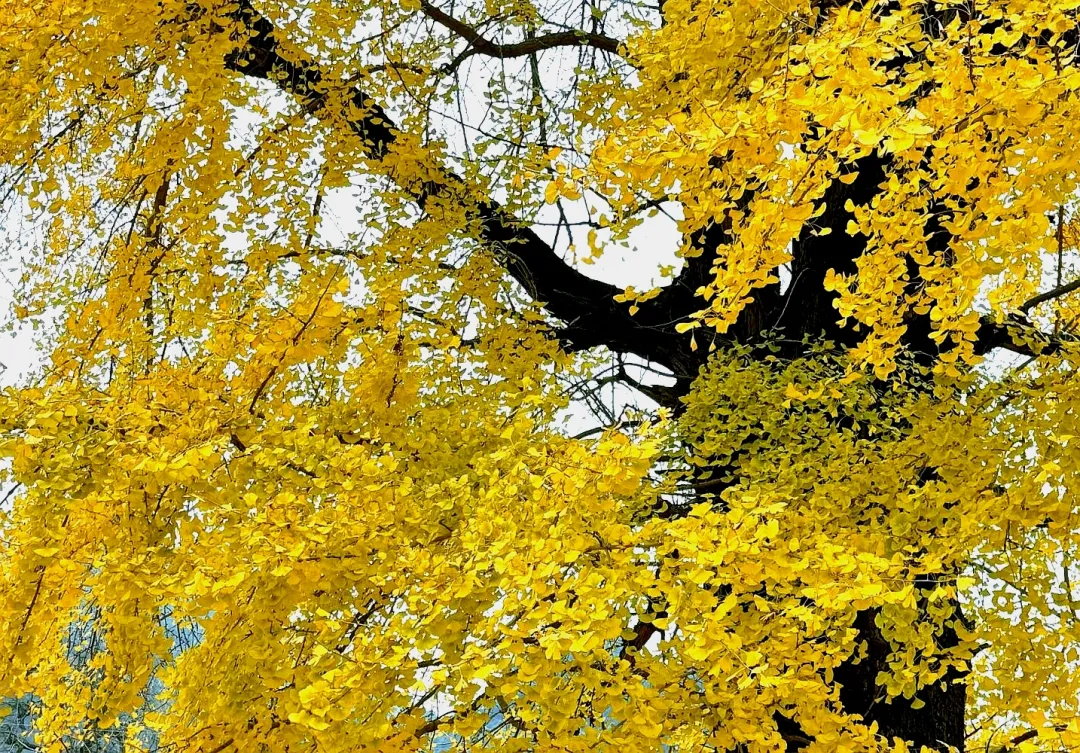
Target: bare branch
(481, 45)
(1049, 295)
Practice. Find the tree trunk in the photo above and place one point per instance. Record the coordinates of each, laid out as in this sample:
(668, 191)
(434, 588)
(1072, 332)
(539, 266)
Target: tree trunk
(935, 717)
(939, 724)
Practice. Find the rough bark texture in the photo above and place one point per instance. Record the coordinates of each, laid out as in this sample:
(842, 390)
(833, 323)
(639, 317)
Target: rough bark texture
(937, 725)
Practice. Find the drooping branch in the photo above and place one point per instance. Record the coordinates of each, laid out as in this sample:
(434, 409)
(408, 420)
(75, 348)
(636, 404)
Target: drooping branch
(481, 45)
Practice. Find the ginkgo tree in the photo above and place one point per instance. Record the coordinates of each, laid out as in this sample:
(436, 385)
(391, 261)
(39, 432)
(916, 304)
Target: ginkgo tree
(317, 281)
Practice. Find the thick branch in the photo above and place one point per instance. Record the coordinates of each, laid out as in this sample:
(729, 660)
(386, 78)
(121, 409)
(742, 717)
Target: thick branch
(593, 318)
(1018, 335)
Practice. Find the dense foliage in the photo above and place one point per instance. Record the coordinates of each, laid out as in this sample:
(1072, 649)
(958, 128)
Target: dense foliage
(302, 468)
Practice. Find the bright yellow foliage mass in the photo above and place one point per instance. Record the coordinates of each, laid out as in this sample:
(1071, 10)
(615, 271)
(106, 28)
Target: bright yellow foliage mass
(308, 279)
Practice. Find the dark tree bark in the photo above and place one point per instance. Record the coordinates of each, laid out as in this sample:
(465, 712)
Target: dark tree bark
(938, 724)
